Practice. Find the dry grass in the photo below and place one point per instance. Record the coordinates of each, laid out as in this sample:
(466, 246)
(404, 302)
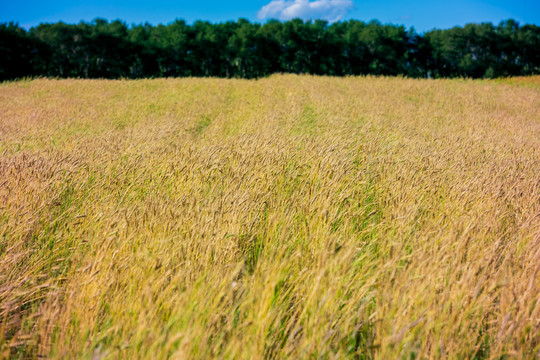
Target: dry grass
(287, 217)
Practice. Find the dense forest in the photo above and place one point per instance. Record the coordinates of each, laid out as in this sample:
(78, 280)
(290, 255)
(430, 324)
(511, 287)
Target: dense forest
(103, 49)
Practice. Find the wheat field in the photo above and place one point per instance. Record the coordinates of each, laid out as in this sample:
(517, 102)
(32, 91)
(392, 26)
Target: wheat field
(287, 217)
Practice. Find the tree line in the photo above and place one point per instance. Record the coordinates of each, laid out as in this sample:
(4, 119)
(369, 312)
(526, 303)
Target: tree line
(242, 49)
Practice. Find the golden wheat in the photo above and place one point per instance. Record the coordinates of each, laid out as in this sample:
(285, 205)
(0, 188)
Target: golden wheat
(289, 217)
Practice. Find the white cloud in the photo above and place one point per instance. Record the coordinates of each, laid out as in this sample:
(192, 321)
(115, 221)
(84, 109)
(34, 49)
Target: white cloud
(331, 10)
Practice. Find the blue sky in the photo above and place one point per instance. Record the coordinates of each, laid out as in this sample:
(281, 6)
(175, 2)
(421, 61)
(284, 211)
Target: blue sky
(423, 15)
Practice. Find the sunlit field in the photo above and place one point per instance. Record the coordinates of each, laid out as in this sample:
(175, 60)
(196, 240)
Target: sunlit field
(286, 217)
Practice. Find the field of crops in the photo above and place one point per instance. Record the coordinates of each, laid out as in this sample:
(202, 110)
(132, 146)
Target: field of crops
(286, 217)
